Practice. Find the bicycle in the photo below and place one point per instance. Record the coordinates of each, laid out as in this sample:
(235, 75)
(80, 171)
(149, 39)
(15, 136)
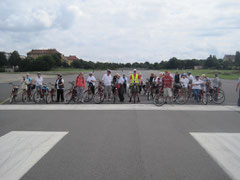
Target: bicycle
(71, 94)
(134, 91)
(41, 93)
(88, 94)
(202, 97)
(51, 96)
(216, 95)
(115, 93)
(27, 94)
(99, 95)
(159, 99)
(14, 93)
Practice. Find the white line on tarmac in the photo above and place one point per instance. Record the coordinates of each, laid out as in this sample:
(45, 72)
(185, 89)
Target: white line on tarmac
(20, 150)
(100, 107)
(224, 149)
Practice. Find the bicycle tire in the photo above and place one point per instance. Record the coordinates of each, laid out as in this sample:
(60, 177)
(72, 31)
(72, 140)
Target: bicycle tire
(11, 99)
(221, 99)
(88, 97)
(67, 96)
(24, 96)
(36, 97)
(159, 100)
(98, 99)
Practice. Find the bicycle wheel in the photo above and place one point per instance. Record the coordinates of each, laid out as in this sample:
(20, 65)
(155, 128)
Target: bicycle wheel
(37, 97)
(11, 98)
(48, 99)
(98, 98)
(219, 98)
(159, 100)
(204, 99)
(88, 96)
(181, 99)
(24, 96)
(67, 96)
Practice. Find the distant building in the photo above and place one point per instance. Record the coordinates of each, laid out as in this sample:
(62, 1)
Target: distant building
(229, 58)
(198, 67)
(35, 53)
(70, 59)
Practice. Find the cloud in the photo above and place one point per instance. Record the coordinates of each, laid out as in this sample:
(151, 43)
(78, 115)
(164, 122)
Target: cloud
(111, 30)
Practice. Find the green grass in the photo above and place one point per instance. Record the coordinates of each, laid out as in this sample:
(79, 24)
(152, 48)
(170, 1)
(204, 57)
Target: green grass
(223, 74)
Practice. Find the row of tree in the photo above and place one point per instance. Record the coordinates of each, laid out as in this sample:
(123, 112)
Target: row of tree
(47, 62)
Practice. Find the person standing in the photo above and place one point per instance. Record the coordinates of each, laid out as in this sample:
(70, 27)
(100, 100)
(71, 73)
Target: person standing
(167, 81)
(38, 83)
(238, 84)
(196, 87)
(120, 83)
(135, 79)
(59, 85)
(125, 83)
(91, 81)
(80, 84)
(107, 82)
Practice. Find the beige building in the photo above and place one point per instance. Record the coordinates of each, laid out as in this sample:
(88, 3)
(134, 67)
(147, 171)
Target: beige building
(229, 58)
(70, 59)
(35, 53)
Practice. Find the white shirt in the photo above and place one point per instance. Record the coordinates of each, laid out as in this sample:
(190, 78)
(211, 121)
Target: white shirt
(107, 80)
(58, 84)
(190, 77)
(38, 81)
(197, 84)
(184, 82)
(90, 79)
(120, 80)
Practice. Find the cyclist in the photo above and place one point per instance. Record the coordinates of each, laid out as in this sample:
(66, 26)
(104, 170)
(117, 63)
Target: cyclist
(80, 84)
(216, 83)
(125, 83)
(30, 85)
(24, 83)
(135, 79)
(196, 87)
(91, 81)
(151, 78)
(59, 85)
(141, 82)
(167, 81)
(39, 82)
(107, 80)
(238, 84)
(29, 79)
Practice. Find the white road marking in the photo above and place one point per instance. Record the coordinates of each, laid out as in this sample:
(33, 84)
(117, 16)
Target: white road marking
(224, 148)
(20, 150)
(120, 107)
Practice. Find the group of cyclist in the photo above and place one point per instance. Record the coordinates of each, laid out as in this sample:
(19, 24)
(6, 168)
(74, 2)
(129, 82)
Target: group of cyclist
(169, 83)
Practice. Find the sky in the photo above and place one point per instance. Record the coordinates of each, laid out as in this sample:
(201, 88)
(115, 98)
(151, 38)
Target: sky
(122, 30)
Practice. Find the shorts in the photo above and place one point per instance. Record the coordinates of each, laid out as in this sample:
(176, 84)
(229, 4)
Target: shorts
(107, 90)
(167, 92)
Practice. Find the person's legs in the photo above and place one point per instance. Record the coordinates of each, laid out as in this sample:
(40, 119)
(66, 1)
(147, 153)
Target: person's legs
(61, 95)
(165, 91)
(170, 94)
(58, 94)
(81, 93)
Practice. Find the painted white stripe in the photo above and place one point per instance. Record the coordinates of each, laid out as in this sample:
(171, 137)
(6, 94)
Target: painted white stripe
(120, 107)
(20, 150)
(224, 148)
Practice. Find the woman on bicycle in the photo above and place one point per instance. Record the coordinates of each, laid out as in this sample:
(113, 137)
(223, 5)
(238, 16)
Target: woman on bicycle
(196, 87)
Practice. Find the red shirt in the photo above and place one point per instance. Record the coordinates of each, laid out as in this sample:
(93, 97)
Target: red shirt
(167, 81)
(80, 81)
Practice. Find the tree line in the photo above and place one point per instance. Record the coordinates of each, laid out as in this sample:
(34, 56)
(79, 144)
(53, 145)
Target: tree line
(48, 62)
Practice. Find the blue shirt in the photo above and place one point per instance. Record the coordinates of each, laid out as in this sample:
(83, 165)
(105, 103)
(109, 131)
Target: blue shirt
(29, 79)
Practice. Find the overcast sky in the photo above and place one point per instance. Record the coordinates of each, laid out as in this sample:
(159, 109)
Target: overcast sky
(122, 30)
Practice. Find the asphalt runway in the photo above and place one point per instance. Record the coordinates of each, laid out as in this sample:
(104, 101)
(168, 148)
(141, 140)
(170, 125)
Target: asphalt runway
(228, 86)
(123, 144)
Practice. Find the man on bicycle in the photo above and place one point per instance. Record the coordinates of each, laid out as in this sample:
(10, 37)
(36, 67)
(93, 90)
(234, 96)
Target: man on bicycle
(184, 83)
(135, 79)
(91, 80)
(167, 82)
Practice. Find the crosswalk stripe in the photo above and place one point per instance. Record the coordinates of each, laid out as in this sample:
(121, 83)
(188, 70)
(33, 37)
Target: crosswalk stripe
(120, 107)
(224, 148)
(20, 150)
